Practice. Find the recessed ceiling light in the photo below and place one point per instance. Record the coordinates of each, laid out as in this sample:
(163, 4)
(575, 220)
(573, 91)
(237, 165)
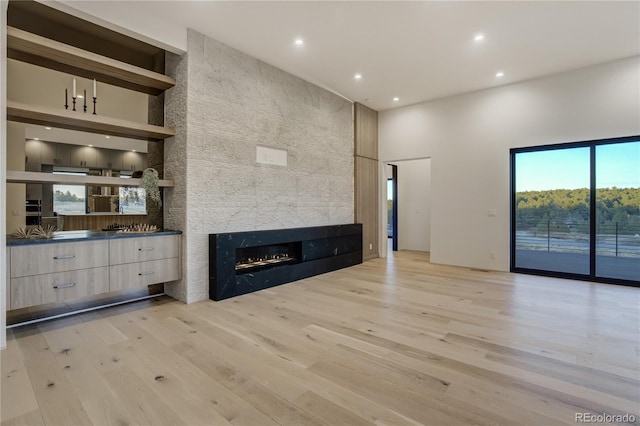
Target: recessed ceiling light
(479, 37)
(48, 128)
(499, 74)
(396, 99)
(357, 76)
(133, 150)
(89, 145)
(36, 139)
(299, 42)
(108, 137)
(80, 97)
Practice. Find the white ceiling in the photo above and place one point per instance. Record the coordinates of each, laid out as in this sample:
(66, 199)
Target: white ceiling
(417, 51)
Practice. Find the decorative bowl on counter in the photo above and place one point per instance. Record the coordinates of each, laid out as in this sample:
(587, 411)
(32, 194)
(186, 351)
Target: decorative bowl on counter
(35, 232)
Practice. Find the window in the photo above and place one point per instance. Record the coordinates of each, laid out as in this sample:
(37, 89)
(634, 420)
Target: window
(576, 210)
(133, 200)
(69, 199)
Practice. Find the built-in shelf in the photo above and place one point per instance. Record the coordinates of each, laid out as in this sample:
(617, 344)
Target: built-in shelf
(77, 120)
(41, 51)
(14, 176)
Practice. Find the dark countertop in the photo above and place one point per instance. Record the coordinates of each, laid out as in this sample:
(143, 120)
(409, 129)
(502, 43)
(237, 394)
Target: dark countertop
(69, 236)
(101, 214)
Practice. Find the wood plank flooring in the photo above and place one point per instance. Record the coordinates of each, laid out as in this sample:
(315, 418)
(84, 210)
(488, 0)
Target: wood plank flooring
(393, 341)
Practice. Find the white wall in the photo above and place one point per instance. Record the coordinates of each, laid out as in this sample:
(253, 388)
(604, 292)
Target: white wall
(468, 138)
(414, 204)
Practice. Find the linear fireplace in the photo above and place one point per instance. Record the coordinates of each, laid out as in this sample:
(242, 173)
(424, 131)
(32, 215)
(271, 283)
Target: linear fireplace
(252, 259)
(243, 262)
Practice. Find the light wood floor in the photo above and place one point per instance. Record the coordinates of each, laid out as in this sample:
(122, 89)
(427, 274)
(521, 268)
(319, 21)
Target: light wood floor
(398, 342)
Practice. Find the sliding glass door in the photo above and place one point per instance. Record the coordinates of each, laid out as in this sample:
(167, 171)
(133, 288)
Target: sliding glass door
(618, 211)
(552, 210)
(576, 210)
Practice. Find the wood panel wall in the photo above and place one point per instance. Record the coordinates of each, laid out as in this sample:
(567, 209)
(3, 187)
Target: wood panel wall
(97, 222)
(366, 132)
(366, 178)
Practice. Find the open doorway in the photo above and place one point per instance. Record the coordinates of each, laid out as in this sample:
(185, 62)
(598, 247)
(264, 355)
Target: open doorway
(406, 206)
(392, 206)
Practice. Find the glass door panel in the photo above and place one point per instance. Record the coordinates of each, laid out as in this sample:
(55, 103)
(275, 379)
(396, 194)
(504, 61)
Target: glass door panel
(618, 211)
(552, 210)
(390, 208)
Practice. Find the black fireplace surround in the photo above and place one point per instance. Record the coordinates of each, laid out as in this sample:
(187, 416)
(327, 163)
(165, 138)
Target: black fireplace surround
(243, 262)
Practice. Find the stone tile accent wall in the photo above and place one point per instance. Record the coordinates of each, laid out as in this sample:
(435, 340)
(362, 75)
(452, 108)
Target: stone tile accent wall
(225, 104)
(175, 164)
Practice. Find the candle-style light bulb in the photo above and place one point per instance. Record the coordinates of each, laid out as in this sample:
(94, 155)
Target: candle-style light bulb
(74, 87)
(94, 89)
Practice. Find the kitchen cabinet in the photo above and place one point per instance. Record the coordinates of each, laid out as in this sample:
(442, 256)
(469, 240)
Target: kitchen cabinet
(139, 262)
(58, 287)
(39, 273)
(32, 156)
(141, 274)
(103, 158)
(48, 152)
(63, 154)
(37, 259)
(83, 156)
(115, 160)
(142, 249)
(132, 161)
(57, 154)
(46, 273)
(77, 156)
(66, 155)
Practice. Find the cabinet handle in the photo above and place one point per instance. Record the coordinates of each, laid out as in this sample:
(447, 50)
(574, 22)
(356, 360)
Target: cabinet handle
(66, 256)
(145, 249)
(58, 286)
(141, 274)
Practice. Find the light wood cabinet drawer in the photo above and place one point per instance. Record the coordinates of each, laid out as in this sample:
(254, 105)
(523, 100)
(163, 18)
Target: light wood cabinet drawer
(141, 274)
(39, 259)
(58, 287)
(142, 249)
